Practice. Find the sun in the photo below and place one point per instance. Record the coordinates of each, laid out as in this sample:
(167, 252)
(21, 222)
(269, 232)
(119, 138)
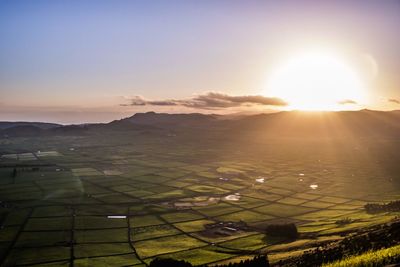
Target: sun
(316, 81)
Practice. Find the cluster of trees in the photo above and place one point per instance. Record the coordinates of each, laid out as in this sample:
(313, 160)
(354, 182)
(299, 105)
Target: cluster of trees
(287, 230)
(169, 262)
(375, 238)
(258, 261)
(378, 208)
(344, 221)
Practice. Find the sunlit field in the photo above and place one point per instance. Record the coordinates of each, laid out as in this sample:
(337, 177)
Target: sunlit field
(93, 200)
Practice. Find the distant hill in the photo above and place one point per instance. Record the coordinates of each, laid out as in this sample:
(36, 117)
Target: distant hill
(323, 124)
(283, 124)
(41, 125)
(124, 125)
(28, 130)
(354, 124)
(22, 130)
(168, 120)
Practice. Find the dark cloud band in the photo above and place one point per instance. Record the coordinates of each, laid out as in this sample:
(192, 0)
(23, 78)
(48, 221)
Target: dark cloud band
(211, 101)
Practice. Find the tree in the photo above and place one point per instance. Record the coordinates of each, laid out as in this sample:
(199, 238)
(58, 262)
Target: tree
(168, 262)
(288, 230)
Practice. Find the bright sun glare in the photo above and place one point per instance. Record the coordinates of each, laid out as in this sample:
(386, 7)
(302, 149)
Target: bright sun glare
(316, 81)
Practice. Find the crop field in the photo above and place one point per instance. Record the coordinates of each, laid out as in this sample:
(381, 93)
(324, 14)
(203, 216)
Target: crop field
(381, 257)
(123, 201)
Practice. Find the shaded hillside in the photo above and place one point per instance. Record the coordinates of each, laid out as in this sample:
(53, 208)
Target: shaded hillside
(22, 130)
(125, 125)
(172, 120)
(364, 123)
(368, 239)
(41, 125)
(75, 130)
(290, 124)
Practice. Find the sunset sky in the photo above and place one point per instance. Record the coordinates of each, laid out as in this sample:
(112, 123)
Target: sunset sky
(91, 61)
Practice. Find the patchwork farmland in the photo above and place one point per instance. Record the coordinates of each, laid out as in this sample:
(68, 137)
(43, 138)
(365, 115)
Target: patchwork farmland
(89, 201)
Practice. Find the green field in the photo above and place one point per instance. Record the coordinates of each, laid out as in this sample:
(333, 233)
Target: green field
(161, 197)
(380, 257)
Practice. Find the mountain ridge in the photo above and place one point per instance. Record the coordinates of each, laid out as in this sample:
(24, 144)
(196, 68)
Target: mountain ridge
(284, 123)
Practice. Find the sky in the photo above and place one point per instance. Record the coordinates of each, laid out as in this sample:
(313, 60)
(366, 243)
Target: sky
(96, 61)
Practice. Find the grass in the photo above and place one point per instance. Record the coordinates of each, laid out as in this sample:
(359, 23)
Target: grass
(123, 188)
(247, 216)
(51, 211)
(98, 222)
(180, 217)
(86, 172)
(152, 179)
(203, 255)
(292, 201)
(58, 223)
(193, 226)
(102, 210)
(170, 194)
(91, 250)
(146, 220)
(7, 234)
(380, 257)
(218, 209)
(207, 189)
(252, 242)
(283, 210)
(229, 170)
(157, 246)
(118, 260)
(150, 232)
(48, 154)
(43, 238)
(275, 257)
(139, 193)
(37, 255)
(262, 195)
(103, 235)
(306, 196)
(114, 198)
(315, 227)
(335, 200)
(324, 214)
(149, 176)
(318, 205)
(248, 202)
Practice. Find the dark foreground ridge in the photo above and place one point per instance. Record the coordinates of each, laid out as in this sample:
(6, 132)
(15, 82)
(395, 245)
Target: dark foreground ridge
(362, 123)
(374, 238)
(369, 239)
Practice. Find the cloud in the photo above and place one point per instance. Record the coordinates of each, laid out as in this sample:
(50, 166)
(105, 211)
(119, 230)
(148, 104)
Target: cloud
(347, 102)
(394, 100)
(139, 101)
(211, 100)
